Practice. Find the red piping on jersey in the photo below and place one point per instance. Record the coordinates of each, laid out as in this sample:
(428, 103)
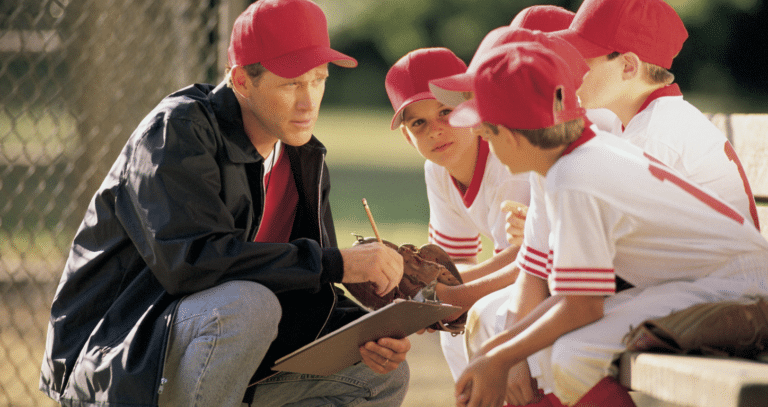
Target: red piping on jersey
(534, 272)
(590, 290)
(477, 177)
(454, 239)
(586, 135)
(457, 247)
(669, 90)
(600, 270)
(536, 252)
(584, 280)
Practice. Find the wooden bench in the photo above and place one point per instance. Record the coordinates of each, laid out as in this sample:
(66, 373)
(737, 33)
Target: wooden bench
(662, 380)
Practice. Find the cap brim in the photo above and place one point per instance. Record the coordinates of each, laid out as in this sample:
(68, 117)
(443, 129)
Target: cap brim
(299, 62)
(465, 115)
(398, 117)
(451, 89)
(586, 48)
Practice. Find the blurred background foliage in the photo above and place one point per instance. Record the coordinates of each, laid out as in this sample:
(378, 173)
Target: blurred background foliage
(721, 65)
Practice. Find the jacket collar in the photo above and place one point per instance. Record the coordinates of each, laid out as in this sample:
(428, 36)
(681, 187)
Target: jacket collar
(227, 110)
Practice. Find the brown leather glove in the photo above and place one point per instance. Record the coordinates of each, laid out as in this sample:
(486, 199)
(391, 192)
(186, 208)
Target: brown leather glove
(423, 268)
(733, 328)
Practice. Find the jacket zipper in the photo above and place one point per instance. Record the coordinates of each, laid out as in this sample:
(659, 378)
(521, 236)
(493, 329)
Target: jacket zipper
(320, 230)
(163, 379)
(320, 234)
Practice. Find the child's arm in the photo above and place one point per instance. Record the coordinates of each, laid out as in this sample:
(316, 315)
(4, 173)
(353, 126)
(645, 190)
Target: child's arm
(471, 271)
(480, 385)
(465, 295)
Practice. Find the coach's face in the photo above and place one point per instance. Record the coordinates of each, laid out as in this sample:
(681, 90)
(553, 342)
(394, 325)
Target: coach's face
(286, 109)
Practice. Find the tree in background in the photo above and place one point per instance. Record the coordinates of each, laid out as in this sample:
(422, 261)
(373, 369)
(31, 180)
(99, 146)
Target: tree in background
(723, 56)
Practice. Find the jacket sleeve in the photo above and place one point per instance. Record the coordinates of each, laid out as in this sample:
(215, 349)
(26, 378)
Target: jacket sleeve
(170, 205)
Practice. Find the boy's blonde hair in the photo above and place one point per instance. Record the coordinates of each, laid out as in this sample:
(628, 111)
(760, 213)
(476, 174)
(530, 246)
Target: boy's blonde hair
(655, 74)
(554, 136)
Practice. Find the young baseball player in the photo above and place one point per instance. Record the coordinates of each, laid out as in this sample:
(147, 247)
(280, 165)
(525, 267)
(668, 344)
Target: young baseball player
(629, 46)
(492, 314)
(465, 185)
(676, 242)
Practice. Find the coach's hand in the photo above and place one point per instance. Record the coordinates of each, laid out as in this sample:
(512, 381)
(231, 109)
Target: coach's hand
(516, 213)
(374, 262)
(386, 354)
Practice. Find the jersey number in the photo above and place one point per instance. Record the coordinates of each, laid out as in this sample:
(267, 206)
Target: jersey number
(664, 175)
(731, 154)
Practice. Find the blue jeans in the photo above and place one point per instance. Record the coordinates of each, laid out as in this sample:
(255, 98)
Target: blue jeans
(219, 338)
(356, 385)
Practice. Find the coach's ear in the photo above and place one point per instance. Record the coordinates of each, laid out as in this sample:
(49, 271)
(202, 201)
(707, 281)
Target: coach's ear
(240, 81)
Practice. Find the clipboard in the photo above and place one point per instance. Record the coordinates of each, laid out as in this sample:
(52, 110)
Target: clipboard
(341, 348)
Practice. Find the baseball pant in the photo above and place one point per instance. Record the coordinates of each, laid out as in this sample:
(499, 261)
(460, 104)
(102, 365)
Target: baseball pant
(580, 359)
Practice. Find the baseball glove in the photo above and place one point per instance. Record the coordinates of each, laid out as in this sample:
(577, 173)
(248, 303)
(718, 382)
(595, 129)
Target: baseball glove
(423, 268)
(728, 328)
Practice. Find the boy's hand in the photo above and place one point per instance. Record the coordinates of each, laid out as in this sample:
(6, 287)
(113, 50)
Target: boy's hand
(521, 388)
(386, 354)
(516, 213)
(482, 384)
(374, 262)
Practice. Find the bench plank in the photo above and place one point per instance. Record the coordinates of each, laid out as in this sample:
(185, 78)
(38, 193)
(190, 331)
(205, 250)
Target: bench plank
(696, 380)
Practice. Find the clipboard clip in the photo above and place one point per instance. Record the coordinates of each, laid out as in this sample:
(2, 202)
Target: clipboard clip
(427, 294)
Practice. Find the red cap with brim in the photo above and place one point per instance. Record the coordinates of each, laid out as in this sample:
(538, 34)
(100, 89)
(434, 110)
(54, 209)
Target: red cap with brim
(649, 28)
(545, 18)
(516, 86)
(298, 62)
(452, 90)
(288, 37)
(407, 79)
(586, 48)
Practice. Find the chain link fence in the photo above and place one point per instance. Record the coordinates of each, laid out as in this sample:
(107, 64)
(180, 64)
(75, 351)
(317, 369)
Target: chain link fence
(76, 77)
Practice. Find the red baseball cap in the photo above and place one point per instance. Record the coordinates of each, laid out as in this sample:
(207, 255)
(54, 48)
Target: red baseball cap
(649, 28)
(451, 90)
(516, 86)
(288, 37)
(407, 80)
(545, 18)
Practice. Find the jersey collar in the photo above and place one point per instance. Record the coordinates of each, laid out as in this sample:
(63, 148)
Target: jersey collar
(586, 135)
(669, 90)
(477, 177)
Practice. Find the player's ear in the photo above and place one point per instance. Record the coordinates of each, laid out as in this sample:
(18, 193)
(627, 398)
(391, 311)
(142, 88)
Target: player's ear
(509, 136)
(631, 64)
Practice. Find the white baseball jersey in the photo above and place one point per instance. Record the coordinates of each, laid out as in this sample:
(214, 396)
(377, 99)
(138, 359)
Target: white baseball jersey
(679, 135)
(612, 209)
(457, 220)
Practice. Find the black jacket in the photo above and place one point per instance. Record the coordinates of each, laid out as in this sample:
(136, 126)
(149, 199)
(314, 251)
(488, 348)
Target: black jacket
(177, 214)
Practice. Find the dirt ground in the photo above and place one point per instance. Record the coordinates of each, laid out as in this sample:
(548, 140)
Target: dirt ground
(431, 380)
